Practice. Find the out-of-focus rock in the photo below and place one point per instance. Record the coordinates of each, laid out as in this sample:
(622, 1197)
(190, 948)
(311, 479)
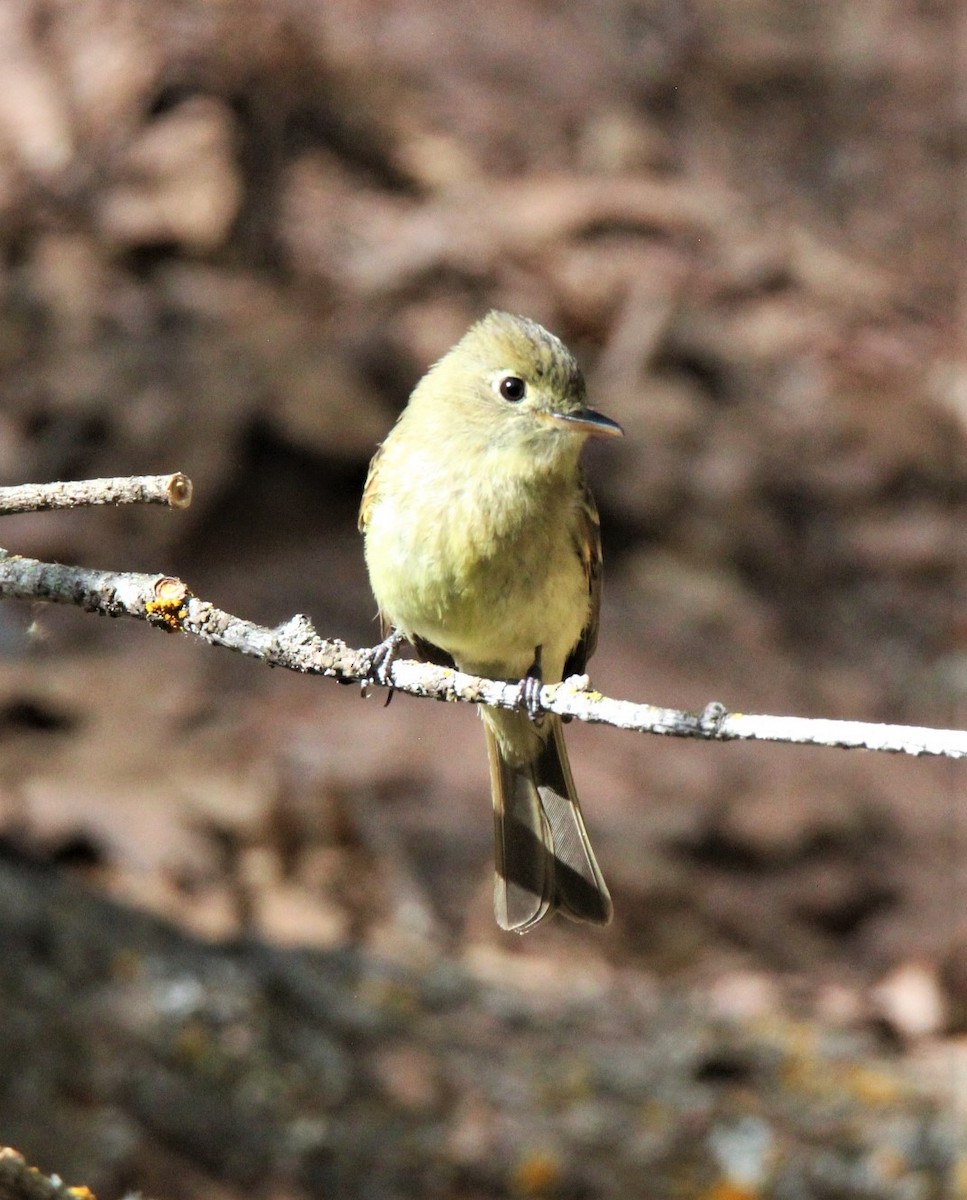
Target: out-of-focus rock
(35, 123)
(111, 63)
(178, 182)
(910, 1001)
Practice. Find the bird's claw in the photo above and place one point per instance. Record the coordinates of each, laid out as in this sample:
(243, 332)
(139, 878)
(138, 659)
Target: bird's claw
(381, 660)
(530, 690)
(530, 697)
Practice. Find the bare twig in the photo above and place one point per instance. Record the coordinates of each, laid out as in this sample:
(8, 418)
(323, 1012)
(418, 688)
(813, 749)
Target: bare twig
(173, 490)
(295, 645)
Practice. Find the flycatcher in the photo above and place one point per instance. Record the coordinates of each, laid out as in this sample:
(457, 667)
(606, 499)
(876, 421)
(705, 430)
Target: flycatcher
(484, 551)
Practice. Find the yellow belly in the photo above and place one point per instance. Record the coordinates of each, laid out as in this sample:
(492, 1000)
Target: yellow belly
(479, 581)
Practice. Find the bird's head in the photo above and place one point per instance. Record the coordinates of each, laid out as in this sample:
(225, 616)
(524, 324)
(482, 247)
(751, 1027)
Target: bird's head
(512, 382)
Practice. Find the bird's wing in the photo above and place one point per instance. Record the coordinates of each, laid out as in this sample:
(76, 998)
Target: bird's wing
(587, 542)
(370, 490)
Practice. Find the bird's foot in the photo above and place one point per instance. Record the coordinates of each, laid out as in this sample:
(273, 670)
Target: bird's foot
(381, 661)
(530, 690)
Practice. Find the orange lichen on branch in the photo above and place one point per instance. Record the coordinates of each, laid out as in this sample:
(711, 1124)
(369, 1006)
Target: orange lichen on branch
(20, 1181)
(169, 606)
(536, 1175)
(726, 1189)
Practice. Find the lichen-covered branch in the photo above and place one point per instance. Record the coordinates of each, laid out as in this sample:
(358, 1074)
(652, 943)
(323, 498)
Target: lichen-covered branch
(172, 490)
(20, 1181)
(166, 602)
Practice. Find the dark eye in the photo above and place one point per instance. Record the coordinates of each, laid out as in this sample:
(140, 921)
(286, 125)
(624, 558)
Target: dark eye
(512, 388)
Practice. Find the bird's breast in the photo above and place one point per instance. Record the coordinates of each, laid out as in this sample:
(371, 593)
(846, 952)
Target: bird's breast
(484, 567)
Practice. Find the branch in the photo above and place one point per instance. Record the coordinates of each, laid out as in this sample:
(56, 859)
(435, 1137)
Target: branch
(165, 601)
(19, 1181)
(173, 490)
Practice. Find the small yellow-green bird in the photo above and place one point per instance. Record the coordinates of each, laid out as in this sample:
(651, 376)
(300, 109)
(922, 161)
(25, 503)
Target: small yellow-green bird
(484, 551)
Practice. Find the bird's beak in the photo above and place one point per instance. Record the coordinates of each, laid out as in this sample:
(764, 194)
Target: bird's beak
(588, 421)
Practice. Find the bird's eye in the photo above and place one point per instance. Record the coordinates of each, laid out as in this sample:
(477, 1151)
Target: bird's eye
(512, 388)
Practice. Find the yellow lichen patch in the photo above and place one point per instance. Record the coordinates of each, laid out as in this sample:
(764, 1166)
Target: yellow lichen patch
(874, 1087)
(725, 1189)
(959, 1180)
(391, 996)
(167, 609)
(18, 1178)
(865, 1084)
(194, 1043)
(536, 1175)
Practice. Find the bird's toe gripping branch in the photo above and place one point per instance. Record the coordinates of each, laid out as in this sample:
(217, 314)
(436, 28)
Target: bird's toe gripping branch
(530, 690)
(382, 657)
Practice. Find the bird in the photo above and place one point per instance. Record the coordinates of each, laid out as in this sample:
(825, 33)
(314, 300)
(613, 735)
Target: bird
(483, 546)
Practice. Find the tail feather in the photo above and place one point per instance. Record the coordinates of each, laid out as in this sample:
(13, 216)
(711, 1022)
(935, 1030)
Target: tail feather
(544, 860)
(524, 875)
(580, 891)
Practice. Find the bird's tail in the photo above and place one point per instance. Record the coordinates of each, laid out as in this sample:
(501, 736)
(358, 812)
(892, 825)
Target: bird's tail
(544, 860)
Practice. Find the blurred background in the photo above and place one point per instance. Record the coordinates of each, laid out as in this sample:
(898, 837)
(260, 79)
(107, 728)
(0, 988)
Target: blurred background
(247, 915)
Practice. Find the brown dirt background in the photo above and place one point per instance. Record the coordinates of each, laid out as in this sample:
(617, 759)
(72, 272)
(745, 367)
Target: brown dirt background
(232, 236)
